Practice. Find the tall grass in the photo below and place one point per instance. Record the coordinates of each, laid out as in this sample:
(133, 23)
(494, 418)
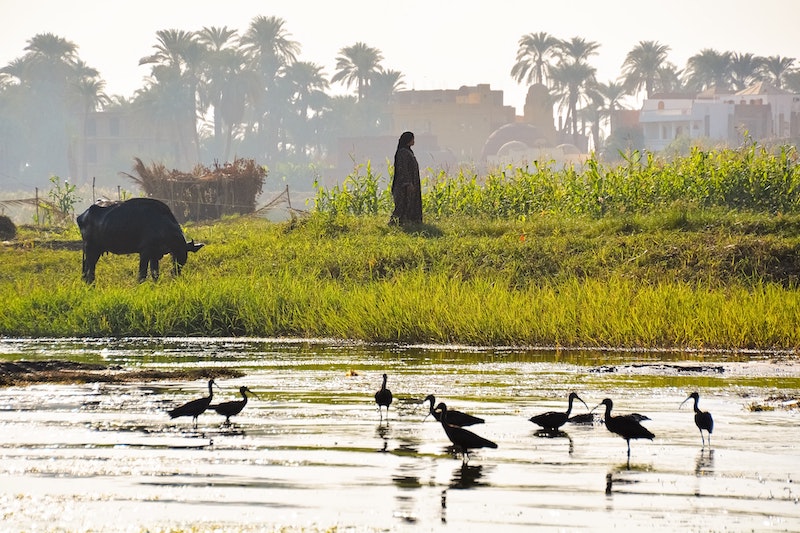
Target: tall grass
(417, 307)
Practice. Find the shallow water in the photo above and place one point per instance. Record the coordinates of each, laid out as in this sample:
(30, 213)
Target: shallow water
(312, 453)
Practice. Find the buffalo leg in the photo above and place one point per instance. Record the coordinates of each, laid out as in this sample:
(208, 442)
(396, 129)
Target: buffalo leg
(154, 260)
(143, 262)
(90, 258)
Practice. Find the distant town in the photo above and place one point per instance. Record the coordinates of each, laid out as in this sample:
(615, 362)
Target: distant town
(219, 94)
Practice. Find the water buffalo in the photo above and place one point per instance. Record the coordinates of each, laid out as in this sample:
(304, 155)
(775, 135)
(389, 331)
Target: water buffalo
(140, 225)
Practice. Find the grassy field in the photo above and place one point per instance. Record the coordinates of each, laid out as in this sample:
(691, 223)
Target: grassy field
(680, 272)
(702, 280)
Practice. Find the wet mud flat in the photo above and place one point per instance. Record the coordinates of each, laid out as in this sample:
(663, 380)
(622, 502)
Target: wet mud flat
(311, 453)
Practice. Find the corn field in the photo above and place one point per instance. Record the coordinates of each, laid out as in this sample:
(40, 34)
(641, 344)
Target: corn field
(751, 178)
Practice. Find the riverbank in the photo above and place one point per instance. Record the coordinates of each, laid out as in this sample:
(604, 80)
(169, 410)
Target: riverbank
(682, 278)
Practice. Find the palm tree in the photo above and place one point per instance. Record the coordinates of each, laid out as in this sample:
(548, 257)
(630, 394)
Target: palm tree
(533, 56)
(573, 80)
(384, 84)
(744, 70)
(91, 95)
(45, 84)
(357, 64)
(793, 81)
(269, 48)
(606, 98)
(775, 69)
(669, 78)
(577, 49)
(709, 69)
(222, 63)
(573, 76)
(642, 65)
(177, 65)
(304, 84)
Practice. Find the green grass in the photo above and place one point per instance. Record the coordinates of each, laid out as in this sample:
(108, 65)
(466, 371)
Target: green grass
(682, 279)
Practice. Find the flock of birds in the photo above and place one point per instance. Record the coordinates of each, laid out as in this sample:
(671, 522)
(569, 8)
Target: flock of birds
(453, 422)
(626, 426)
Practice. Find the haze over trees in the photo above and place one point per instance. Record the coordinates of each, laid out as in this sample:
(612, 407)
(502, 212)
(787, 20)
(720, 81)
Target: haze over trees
(218, 93)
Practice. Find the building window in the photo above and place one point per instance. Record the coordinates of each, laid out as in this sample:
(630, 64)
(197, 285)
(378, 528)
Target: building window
(660, 106)
(91, 127)
(665, 132)
(113, 127)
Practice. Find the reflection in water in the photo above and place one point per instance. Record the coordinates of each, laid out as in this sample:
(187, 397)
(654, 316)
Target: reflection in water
(557, 434)
(308, 456)
(382, 432)
(618, 475)
(464, 477)
(705, 463)
(467, 477)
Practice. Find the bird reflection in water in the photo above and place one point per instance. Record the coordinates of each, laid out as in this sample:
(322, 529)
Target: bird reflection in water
(382, 432)
(705, 463)
(617, 476)
(465, 477)
(557, 434)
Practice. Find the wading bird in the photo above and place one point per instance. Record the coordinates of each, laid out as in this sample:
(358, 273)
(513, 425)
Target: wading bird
(229, 409)
(583, 418)
(552, 420)
(454, 418)
(196, 407)
(626, 426)
(383, 398)
(462, 438)
(702, 419)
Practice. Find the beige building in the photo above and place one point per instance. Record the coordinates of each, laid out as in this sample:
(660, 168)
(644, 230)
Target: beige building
(461, 120)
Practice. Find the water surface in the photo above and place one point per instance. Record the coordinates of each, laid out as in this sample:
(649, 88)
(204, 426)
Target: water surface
(312, 452)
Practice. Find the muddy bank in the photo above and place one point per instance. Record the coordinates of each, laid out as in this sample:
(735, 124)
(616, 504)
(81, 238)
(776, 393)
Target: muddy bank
(20, 373)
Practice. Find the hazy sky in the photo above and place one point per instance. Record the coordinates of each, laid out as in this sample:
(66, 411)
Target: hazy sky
(436, 44)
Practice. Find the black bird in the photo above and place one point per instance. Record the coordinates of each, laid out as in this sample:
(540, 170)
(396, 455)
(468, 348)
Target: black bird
(626, 426)
(196, 407)
(383, 398)
(454, 418)
(229, 409)
(583, 418)
(462, 438)
(552, 420)
(702, 419)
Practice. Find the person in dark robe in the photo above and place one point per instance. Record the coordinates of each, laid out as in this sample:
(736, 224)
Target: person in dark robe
(406, 189)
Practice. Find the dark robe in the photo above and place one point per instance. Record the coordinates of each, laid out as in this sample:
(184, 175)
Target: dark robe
(406, 188)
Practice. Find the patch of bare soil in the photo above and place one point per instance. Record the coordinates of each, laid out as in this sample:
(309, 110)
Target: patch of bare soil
(776, 402)
(20, 373)
(49, 244)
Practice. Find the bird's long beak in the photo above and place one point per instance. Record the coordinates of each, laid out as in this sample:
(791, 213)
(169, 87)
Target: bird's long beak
(584, 404)
(254, 394)
(684, 401)
(595, 407)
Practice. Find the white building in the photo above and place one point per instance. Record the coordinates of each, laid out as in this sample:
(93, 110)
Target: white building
(760, 111)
